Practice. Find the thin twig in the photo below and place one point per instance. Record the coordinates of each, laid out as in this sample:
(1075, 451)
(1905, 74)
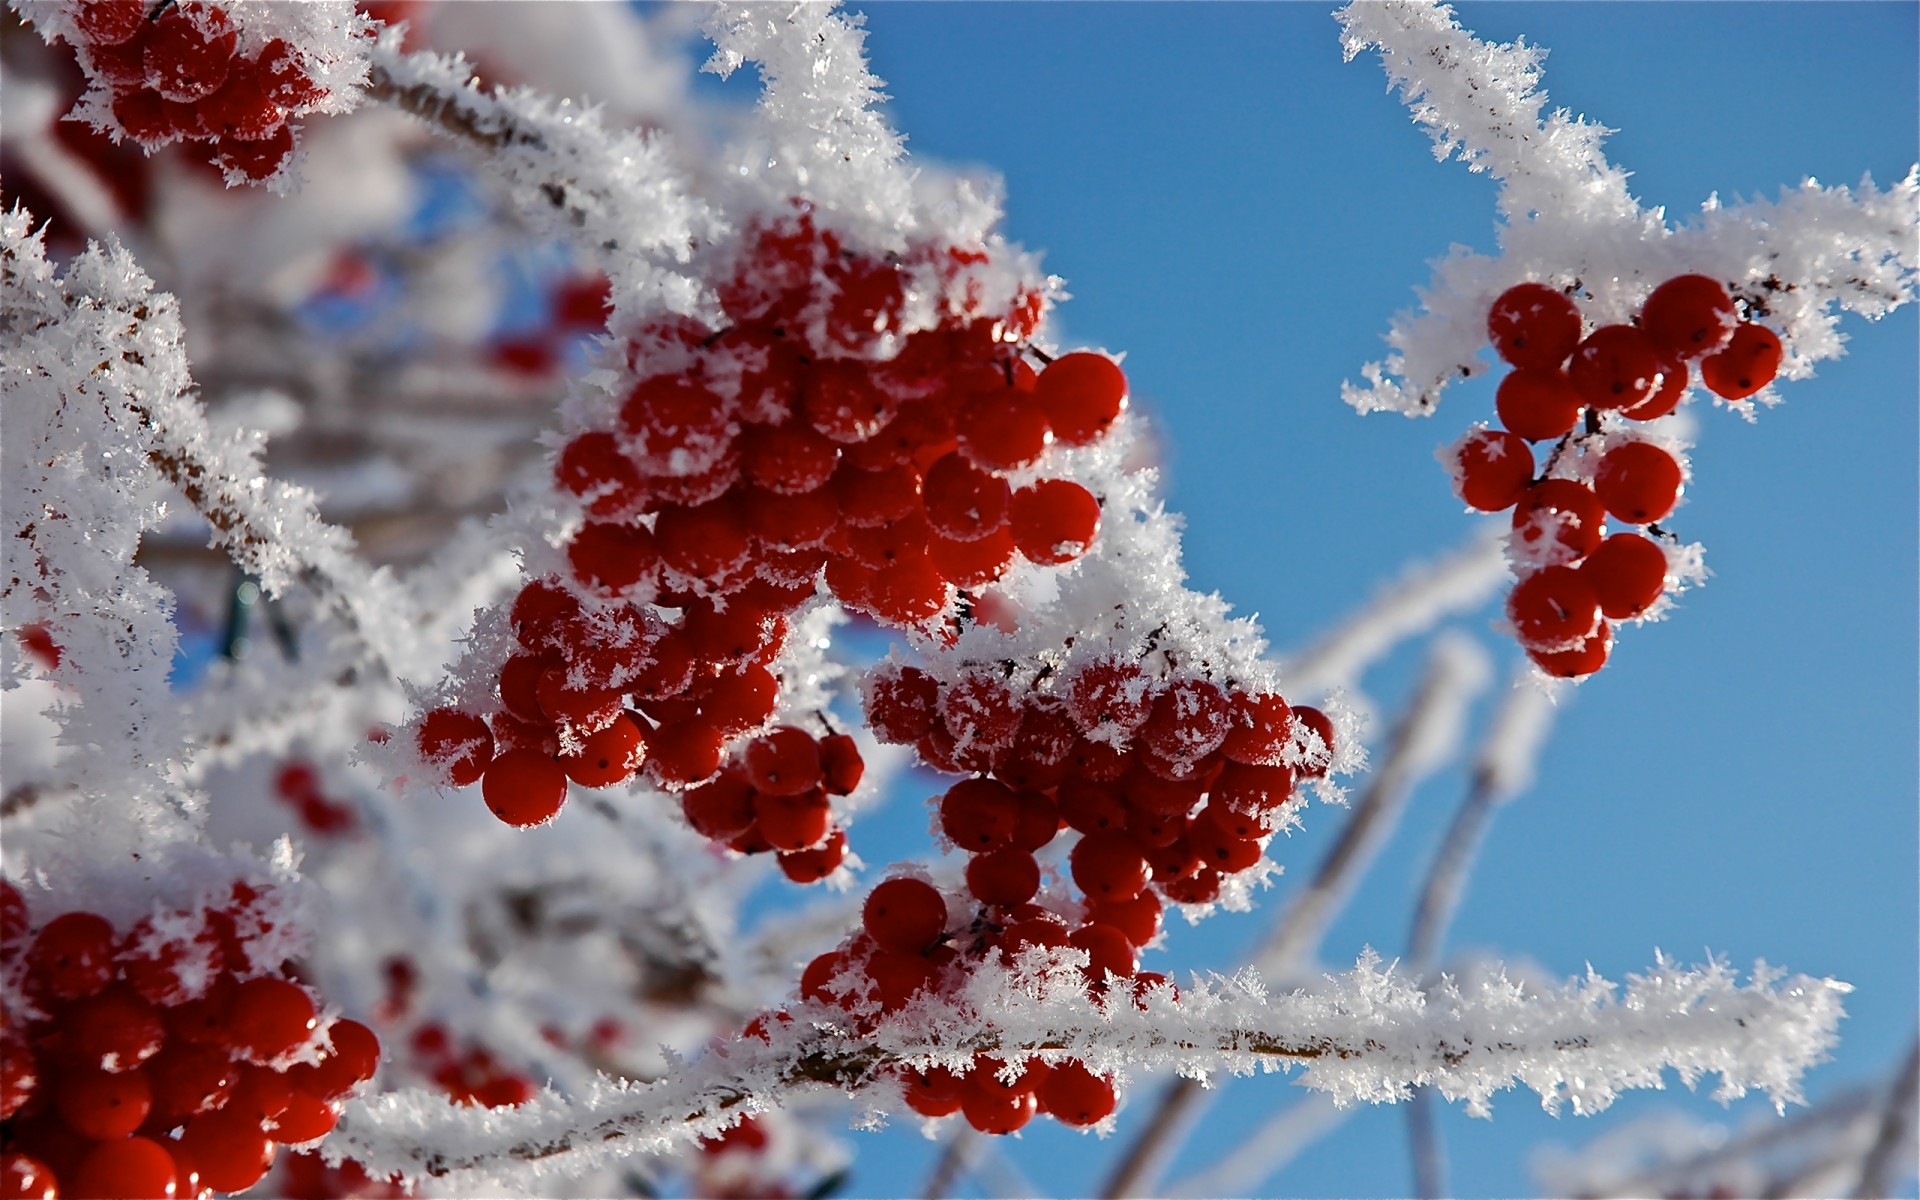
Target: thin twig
(1896, 1129)
(952, 1163)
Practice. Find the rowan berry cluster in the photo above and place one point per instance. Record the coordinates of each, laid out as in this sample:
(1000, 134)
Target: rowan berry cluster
(169, 1058)
(1591, 391)
(297, 783)
(184, 72)
(471, 1076)
(774, 796)
(858, 420)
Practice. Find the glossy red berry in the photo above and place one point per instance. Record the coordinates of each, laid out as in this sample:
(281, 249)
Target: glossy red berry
(1628, 572)
(1673, 386)
(1689, 316)
(1008, 876)
(1538, 403)
(1553, 608)
(815, 863)
(110, 22)
(1054, 521)
(784, 761)
(1189, 720)
(841, 766)
(1492, 469)
(126, 1166)
(73, 955)
(674, 425)
(994, 1108)
(1533, 325)
(721, 808)
(1749, 362)
(270, 1016)
(184, 61)
(1638, 482)
(594, 468)
(26, 1178)
(788, 459)
(934, 1092)
(1579, 661)
(608, 758)
(1082, 394)
(613, 557)
(962, 501)
(1109, 867)
(350, 1057)
(100, 1104)
(794, 822)
(1558, 521)
(905, 914)
(115, 1030)
(1617, 366)
(458, 745)
(980, 814)
(1073, 1095)
(524, 788)
(229, 1148)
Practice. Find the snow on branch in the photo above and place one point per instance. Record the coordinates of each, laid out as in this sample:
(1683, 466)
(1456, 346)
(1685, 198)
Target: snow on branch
(1370, 1034)
(1566, 217)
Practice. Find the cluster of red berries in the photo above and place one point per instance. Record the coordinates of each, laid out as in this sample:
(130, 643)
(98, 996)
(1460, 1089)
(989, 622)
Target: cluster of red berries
(905, 947)
(1173, 782)
(162, 1060)
(473, 1076)
(778, 451)
(1588, 389)
(175, 72)
(297, 783)
(306, 1176)
(773, 795)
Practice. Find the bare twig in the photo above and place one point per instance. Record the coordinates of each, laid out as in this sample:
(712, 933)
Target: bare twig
(1896, 1130)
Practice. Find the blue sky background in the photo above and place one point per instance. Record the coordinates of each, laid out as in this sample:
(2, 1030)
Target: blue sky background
(1242, 213)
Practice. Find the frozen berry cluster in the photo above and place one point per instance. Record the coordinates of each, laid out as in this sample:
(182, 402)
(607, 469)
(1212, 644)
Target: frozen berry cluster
(164, 1059)
(297, 785)
(858, 420)
(1590, 390)
(774, 796)
(1173, 780)
(181, 72)
(471, 1076)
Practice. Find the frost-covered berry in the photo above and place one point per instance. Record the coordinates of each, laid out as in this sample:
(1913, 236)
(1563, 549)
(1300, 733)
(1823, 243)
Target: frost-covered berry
(1748, 363)
(1533, 325)
(1689, 316)
(1638, 482)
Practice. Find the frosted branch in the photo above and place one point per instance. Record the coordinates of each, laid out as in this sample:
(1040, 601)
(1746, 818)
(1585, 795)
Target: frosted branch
(1565, 215)
(1369, 1034)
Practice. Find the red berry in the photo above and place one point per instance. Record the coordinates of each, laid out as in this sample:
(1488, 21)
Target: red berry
(708, 545)
(1006, 876)
(839, 400)
(1082, 394)
(1108, 951)
(980, 814)
(1054, 521)
(1492, 469)
(1638, 482)
(905, 915)
(126, 1166)
(185, 63)
(783, 762)
(997, 1111)
(1313, 731)
(738, 700)
(788, 459)
(1533, 325)
(972, 564)
(114, 1031)
(1109, 867)
(1110, 696)
(524, 788)
(683, 753)
(1138, 919)
(1260, 728)
(1558, 521)
(613, 557)
(814, 864)
(188, 1080)
(241, 109)
(270, 1017)
(350, 1057)
(1073, 1095)
(1538, 403)
(258, 160)
(1189, 720)
(24, 1178)
(230, 1149)
(878, 497)
(1673, 385)
(675, 426)
(1582, 660)
(594, 468)
(934, 1092)
(607, 758)
(721, 808)
(304, 1119)
(110, 22)
(840, 764)
(979, 710)
(1689, 315)
(1628, 572)
(1553, 608)
(101, 1105)
(1002, 430)
(1749, 363)
(73, 956)
(545, 616)
(963, 502)
(458, 745)
(1617, 366)
(794, 822)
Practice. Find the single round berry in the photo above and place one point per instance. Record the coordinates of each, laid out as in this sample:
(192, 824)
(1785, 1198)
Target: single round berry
(230, 1149)
(934, 1092)
(794, 822)
(115, 1030)
(1109, 867)
(1492, 469)
(1110, 696)
(350, 1057)
(73, 955)
(613, 557)
(1538, 403)
(185, 62)
(594, 468)
(1553, 608)
(841, 766)
(980, 814)
(1314, 736)
(1082, 395)
(1617, 366)
(1628, 572)
(788, 459)
(905, 915)
(1073, 1095)
(458, 745)
(1638, 482)
(1007, 876)
(815, 863)
(1533, 325)
(998, 1111)
(1673, 386)
(783, 761)
(26, 1178)
(1558, 521)
(524, 788)
(1054, 521)
(102, 1105)
(110, 22)
(972, 564)
(1002, 430)
(608, 758)
(1749, 362)
(1189, 720)
(721, 808)
(683, 753)
(270, 1017)
(1689, 316)
(1580, 661)
(979, 710)
(962, 501)
(125, 1166)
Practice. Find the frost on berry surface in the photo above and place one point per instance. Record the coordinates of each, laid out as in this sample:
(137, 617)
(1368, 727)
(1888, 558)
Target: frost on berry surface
(1565, 215)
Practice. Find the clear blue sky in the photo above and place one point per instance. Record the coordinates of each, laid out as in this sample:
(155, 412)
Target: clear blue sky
(1242, 213)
